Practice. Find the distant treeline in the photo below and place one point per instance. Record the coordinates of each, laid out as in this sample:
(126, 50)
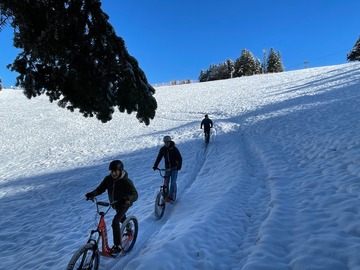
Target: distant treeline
(245, 65)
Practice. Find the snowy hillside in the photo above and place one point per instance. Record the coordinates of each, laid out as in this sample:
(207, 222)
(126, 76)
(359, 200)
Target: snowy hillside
(277, 188)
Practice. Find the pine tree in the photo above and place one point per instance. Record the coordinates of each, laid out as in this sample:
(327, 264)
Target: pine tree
(245, 65)
(223, 70)
(280, 64)
(203, 76)
(258, 66)
(354, 54)
(71, 53)
(274, 62)
(217, 72)
(229, 67)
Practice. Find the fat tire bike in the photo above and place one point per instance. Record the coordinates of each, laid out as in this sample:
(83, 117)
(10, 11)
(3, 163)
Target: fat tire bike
(88, 256)
(160, 200)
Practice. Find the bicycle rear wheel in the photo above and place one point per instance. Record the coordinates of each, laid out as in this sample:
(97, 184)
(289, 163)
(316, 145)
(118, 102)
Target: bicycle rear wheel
(129, 232)
(160, 205)
(86, 258)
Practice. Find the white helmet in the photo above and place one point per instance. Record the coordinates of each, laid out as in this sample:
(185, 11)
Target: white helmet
(167, 139)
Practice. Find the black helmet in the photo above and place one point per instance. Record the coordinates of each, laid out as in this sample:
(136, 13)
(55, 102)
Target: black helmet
(167, 139)
(116, 165)
(206, 116)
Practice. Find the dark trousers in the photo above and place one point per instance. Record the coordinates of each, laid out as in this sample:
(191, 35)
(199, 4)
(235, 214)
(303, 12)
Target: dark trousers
(207, 134)
(119, 217)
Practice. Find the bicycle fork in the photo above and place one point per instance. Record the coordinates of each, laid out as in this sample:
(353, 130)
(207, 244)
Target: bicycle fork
(164, 191)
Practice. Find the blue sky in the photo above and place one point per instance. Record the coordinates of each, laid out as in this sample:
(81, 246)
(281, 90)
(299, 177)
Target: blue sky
(174, 40)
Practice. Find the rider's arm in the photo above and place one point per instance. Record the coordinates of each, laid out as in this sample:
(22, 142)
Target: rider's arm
(159, 157)
(133, 196)
(100, 189)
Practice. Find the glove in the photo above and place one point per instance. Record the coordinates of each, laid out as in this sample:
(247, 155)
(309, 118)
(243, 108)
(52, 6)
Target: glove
(89, 196)
(155, 168)
(178, 168)
(127, 201)
(123, 201)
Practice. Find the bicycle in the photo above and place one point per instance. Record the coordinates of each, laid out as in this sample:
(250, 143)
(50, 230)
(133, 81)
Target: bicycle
(88, 256)
(160, 200)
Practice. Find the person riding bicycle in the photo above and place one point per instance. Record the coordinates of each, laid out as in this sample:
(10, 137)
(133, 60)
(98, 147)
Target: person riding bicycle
(120, 189)
(173, 161)
(207, 124)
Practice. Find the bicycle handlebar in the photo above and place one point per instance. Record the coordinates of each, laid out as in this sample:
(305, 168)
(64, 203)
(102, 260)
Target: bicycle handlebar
(105, 204)
(166, 170)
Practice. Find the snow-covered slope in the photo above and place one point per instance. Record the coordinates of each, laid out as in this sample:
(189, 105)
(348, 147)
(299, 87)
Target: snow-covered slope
(277, 188)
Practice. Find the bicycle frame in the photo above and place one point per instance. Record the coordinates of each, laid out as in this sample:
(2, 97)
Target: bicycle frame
(88, 256)
(101, 231)
(164, 189)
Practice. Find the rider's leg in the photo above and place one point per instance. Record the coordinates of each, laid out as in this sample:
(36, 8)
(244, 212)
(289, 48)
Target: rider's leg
(207, 135)
(167, 179)
(173, 185)
(119, 217)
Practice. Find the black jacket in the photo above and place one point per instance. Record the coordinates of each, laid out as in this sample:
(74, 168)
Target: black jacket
(117, 189)
(172, 156)
(207, 123)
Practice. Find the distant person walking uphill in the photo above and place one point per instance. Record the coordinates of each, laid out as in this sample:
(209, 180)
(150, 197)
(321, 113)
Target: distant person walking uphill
(207, 124)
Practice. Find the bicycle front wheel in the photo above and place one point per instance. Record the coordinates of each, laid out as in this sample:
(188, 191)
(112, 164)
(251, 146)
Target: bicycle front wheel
(129, 232)
(160, 204)
(86, 258)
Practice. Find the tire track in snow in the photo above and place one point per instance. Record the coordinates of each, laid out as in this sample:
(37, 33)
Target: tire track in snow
(273, 204)
(247, 189)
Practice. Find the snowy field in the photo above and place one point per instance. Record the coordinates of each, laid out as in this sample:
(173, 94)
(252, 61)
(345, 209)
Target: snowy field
(277, 188)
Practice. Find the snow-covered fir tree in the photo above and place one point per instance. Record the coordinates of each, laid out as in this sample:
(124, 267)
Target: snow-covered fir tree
(245, 65)
(274, 62)
(217, 72)
(354, 54)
